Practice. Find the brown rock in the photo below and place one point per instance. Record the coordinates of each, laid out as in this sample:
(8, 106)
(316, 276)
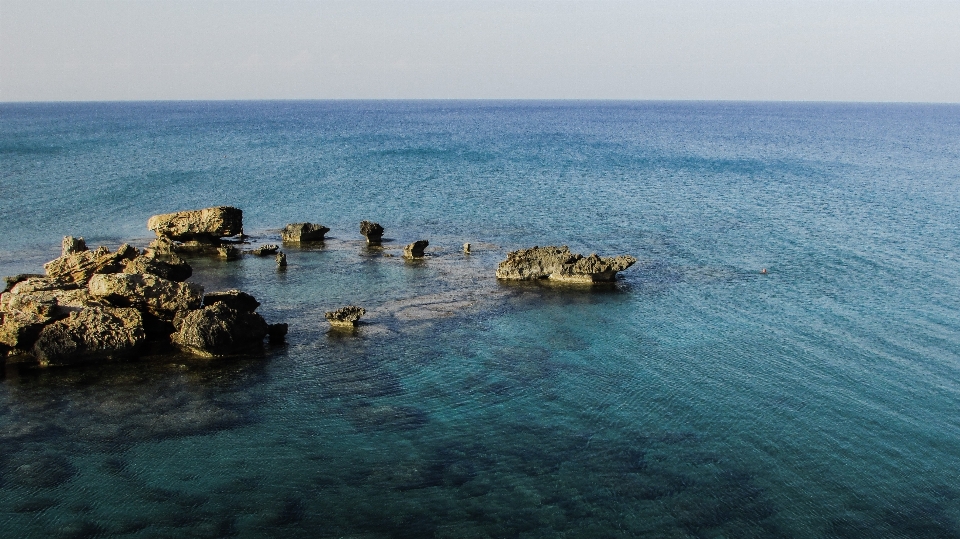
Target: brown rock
(372, 231)
(297, 232)
(93, 333)
(72, 245)
(156, 295)
(415, 249)
(559, 264)
(78, 267)
(219, 330)
(206, 225)
(345, 316)
(170, 267)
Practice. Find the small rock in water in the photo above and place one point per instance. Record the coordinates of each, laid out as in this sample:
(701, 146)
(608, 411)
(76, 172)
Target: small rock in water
(345, 316)
(466, 248)
(559, 264)
(281, 260)
(415, 249)
(298, 232)
(264, 250)
(228, 252)
(372, 231)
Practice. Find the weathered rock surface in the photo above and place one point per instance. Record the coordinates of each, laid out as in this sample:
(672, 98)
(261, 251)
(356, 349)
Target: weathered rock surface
(71, 245)
(415, 249)
(12, 280)
(228, 252)
(559, 264)
(372, 231)
(219, 330)
(78, 267)
(235, 299)
(94, 333)
(298, 232)
(208, 224)
(264, 250)
(156, 295)
(345, 316)
(170, 267)
(281, 260)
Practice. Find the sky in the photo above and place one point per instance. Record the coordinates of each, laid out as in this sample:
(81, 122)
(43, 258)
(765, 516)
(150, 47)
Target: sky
(779, 50)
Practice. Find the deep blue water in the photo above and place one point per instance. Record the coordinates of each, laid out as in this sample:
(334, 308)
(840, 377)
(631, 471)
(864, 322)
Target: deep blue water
(696, 398)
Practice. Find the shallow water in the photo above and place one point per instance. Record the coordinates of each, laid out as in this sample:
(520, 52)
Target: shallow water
(696, 398)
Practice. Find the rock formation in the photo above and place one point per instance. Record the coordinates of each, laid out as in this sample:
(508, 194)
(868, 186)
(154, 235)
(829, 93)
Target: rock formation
(281, 261)
(345, 317)
(415, 249)
(100, 305)
(298, 232)
(372, 231)
(206, 225)
(559, 264)
(264, 250)
(466, 248)
(228, 252)
(72, 245)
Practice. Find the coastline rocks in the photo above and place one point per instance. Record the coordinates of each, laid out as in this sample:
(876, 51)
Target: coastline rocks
(208, 224)
(235, 299)
(281, 261)
(90, 334)
(170, 267)
(219, 330)
(72, 245)
(156, 295)
(372, 231)
(264, 250)
(298, 232)
(228, 252)
(345, 317)
(415, 249)
(78, 267)
(559, 264)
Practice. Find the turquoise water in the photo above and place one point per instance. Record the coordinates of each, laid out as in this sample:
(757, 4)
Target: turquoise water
(696, 398)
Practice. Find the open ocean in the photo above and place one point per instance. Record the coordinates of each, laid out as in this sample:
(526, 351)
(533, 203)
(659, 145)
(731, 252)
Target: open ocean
(695, 398)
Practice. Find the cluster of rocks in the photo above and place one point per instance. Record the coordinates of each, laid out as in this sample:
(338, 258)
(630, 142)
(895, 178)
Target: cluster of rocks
(559, 264)
(93, 305)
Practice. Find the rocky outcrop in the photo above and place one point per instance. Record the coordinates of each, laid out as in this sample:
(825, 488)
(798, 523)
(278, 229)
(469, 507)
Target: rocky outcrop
(345, 317)
(228, 252)
(372, 231)
(170, 267)
(94, 333)
(12, 280)
(219, 330)
(206, 225)
(235, 299)
(78, 267)
(264, 250)
(71, 245)
(301, 232)
(281, 260)
(415, 249)
(559, 264)
(155, 295)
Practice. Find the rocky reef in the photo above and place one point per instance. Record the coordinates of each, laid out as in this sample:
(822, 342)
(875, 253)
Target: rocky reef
(106, 305)
(559, 264)
(301, 232)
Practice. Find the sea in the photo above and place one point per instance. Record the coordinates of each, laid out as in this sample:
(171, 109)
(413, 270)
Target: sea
(782, 361)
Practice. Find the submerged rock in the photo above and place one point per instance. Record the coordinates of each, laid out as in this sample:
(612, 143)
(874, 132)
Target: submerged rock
(219, 330)
(345, 316)
(415, 249)
(372, 231)
(235, 299)
(559, 264)
(94, 333)
(298, 232)
(208, 224)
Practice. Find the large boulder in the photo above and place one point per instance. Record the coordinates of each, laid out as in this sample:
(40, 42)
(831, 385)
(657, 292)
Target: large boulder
(235, 299)
(372, 231)
(297, 232)
(18, 331)
(559, 264)
(78, 267)
(170, 267)
(208, 224)
(94, 333)
(415, 249)
(219, 330)
(157, 296)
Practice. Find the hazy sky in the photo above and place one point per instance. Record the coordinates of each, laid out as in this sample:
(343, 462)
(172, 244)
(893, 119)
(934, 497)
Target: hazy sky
(835, 50)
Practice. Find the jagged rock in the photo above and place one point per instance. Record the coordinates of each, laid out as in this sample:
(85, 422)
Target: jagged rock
(12, 280)
(18, 331)
(466, 248)
(89, 334)
(235, 299)
(162, 246)
(80, 266)
(156, 295)
(170, 267)
(372, 231)
(72, 245)
(415, 249)
(219, 330)
(281, 260)
(208, 224)
(558, 263)
(34, 297)
(345, 316)
(277, 332)
(228, 252)
(297, 232)
(264, 250)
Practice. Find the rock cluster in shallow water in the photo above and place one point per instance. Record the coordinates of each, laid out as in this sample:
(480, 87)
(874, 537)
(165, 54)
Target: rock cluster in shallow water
(559, 264)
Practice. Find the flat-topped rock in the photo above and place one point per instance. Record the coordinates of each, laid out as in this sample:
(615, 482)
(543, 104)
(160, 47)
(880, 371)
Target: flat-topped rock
(415, 249)
(559, 264)
(372, 231)
(208, 224)
(301, 232)
(345, 317)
